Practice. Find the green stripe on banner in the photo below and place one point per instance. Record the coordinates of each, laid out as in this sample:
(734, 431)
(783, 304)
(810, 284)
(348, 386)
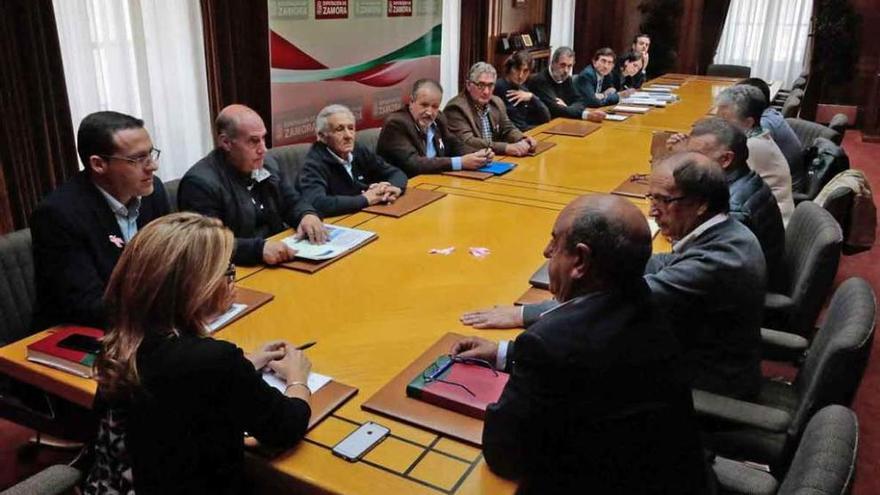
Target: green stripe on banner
(425, 46)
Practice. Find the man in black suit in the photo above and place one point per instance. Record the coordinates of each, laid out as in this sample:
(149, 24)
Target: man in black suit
(80, 229)
(595, 401)
(595, 85)
(341, 176)
(246, 189)
(417, 140)
(555, 88)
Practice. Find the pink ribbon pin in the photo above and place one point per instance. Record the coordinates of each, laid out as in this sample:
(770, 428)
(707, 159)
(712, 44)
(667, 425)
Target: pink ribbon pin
(116, 240)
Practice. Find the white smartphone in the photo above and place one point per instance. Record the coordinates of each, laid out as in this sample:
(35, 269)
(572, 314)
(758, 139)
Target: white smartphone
(360, 441)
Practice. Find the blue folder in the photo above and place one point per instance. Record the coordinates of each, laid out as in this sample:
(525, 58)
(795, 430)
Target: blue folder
(498, 168)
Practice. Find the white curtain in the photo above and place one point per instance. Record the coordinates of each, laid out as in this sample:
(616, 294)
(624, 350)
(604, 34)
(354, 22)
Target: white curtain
(450, 45)
(562, 24)
(145, 58)
(770, 36)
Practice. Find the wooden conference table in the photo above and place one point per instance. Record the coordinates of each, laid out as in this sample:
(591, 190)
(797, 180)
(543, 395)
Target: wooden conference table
(374, 311)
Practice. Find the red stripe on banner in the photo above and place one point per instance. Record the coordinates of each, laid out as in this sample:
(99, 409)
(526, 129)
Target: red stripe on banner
(387, 74)
(284, 55)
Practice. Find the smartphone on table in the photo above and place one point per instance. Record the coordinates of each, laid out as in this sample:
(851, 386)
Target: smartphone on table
(360, 441)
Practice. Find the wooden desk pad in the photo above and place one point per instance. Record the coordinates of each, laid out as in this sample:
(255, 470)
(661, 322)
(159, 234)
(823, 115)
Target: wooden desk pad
(309, 266)
(391, 400)
(533, 296)
(636, 186)
(328, 399)
(541, 147)
(408, 203)
(577, 128)
(252, 298)
(470, 174)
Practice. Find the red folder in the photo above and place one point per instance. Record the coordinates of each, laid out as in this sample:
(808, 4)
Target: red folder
(443, 384)
(46, 351)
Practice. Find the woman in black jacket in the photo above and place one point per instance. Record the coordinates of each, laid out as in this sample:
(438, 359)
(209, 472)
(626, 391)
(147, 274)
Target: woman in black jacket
(174, 404)
(628, 75)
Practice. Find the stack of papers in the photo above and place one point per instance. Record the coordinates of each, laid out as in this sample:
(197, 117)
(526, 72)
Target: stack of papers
(616, 118)
(667, 97)
(340, 241)
(315, 381)
(658, 89)
(629, 109)
(643, 101)
(668, 86)
(221, 320)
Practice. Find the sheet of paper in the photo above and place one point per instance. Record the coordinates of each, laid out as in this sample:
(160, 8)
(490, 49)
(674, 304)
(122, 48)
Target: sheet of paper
(341, 239)
(668, 86)
(666, 97)
(629, 109)
(659, 88)
(616, 118)
(225, 317)
(315, 381)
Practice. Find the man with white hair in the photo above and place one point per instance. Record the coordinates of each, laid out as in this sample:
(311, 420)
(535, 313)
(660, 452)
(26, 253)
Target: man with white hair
(479, 118)
(742, 106)
(341, 176)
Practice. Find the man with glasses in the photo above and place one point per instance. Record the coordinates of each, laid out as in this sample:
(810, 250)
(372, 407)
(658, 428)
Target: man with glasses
(246, 189)
(595, 398)
(480, 120)
(81, 228)
(711, 286)
(555, 87)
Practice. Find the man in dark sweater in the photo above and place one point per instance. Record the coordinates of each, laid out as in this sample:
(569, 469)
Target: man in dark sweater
(341, 176)
(247, 190)
(555, 88)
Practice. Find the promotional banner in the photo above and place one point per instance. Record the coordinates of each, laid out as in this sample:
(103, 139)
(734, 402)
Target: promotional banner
(364, 54)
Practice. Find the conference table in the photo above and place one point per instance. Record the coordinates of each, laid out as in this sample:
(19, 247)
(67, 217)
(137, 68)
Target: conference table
(374, 311)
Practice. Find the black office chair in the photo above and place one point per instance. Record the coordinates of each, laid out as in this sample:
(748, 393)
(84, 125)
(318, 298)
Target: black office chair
(171, 191)
(291, 159)
(767, 428)
(368, 138)
(808, 131)
(782, 94)
(812, 253)
(54, 480)
(724, 70)
(21, 403)
(792, 106)
(823, 160)
(839, 124)
(824, 463)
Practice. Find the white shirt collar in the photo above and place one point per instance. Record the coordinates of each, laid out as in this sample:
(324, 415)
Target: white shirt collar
(680, 245)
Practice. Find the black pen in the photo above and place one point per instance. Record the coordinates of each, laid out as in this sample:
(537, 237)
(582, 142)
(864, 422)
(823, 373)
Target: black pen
(306, 345)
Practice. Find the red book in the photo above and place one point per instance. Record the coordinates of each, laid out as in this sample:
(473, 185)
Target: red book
(463, 387)
(78, 362)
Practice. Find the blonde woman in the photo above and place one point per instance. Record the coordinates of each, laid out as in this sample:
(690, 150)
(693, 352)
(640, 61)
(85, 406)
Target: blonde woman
(173, 402)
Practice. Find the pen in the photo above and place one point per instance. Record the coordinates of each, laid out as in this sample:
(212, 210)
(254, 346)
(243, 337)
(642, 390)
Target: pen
(306, 345)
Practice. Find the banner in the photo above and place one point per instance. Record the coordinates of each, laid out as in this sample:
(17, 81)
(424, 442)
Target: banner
(364, 54)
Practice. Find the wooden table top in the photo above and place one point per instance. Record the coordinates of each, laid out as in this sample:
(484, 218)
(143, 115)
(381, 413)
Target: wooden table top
(376, 310)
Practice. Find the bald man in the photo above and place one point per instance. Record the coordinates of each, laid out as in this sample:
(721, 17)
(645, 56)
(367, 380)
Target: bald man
(711, 286)
(246, 189)
(594, 399)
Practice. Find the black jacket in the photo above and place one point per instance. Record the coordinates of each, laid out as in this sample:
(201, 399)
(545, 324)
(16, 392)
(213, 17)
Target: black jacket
(213, 188)
(186, 423)
(596, 402)
(325, 184)
(753, 204)
(73, 253)
(525, 115)
(586, 88)
(548, 90)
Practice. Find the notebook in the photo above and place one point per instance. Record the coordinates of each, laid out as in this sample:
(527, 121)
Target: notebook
(497, 168)
(463, 387)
